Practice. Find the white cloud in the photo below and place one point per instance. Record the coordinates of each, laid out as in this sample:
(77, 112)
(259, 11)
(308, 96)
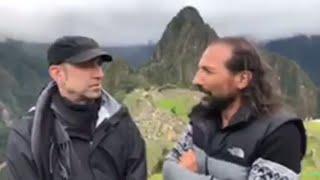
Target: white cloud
(137, 21)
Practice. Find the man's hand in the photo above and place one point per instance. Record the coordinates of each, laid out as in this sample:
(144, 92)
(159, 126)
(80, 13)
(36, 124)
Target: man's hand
(188, 160)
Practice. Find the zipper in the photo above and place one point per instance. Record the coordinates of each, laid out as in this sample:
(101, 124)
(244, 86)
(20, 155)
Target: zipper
(89, 158)
(107, 128)
(51, 158)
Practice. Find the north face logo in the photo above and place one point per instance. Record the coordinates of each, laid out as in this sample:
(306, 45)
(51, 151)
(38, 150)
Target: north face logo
(235, 151)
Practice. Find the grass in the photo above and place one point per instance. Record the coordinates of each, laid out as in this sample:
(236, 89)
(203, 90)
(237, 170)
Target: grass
(155, 153)
(179, 106)
(175, 107)
(311, 163)
(156, 177)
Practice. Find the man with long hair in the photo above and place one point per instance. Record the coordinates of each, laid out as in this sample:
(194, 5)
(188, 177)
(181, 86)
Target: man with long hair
(240, 130)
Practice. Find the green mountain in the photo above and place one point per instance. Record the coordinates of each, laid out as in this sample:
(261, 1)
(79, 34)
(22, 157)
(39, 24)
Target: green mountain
(179, 49)
(298, 90)
(135, 55)
(302, 49)
(120, 79)
(21, 76)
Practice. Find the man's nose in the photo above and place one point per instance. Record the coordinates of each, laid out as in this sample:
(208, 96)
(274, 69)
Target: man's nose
(99, 73)
(196, 79)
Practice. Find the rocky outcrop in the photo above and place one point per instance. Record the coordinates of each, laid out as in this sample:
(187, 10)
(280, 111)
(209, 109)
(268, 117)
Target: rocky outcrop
(179, 49)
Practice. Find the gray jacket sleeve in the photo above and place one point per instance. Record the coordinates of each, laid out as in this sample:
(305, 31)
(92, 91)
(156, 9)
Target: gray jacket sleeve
(173, 171)
(171, 168)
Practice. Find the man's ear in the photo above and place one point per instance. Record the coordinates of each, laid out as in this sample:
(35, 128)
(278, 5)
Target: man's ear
(55, 73)
(243, 79)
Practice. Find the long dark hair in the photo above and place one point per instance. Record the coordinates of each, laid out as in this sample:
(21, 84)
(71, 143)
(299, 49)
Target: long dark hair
(260, 94)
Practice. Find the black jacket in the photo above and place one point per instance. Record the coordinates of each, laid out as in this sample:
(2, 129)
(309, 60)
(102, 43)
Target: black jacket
(40, 148)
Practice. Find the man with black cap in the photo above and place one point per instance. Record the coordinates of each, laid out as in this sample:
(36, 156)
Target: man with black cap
(76, 131)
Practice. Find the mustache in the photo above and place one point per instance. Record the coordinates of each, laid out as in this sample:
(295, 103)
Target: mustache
(214, 102)
(201, 89)
(207, 99)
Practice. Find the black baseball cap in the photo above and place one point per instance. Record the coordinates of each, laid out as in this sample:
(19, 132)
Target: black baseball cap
(75, 49)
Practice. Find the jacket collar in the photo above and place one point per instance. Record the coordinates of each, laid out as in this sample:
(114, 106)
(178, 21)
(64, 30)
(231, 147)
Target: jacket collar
(244, 115)
(42, 125)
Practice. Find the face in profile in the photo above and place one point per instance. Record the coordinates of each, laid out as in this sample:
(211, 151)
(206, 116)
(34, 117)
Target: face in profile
(81, 81)
(214, 78)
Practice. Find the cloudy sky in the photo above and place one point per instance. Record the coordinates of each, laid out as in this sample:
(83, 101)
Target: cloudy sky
(122, 22)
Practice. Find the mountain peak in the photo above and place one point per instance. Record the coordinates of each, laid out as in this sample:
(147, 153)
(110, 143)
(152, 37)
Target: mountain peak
(179, 49)
(186, 33)
(191, 14)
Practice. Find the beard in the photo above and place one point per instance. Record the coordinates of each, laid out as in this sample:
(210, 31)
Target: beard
(218, 103)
